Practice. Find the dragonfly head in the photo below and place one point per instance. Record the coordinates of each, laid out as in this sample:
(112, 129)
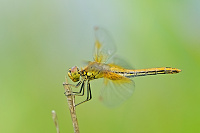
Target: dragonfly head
(74, 74)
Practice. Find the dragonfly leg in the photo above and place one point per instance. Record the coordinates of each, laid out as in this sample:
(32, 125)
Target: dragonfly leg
(75, 86)
(89, 94)
(81, 90)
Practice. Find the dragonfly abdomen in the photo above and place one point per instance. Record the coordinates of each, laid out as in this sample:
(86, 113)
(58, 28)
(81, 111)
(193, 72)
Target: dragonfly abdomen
(150, 71)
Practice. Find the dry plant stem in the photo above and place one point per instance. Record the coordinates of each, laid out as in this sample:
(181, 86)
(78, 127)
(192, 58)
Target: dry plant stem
(71, 104)
(55, 119)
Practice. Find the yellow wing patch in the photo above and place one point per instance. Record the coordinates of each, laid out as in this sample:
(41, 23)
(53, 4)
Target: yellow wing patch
(116, 78)
(104, 46)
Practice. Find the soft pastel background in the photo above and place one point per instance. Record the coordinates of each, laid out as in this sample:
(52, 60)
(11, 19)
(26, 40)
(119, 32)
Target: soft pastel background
(40, 40)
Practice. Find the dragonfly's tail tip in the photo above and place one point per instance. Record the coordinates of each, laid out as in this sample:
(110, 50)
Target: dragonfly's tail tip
(179, 70)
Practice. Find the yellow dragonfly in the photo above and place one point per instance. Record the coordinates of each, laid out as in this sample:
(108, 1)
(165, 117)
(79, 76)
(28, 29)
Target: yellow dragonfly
(118, 85)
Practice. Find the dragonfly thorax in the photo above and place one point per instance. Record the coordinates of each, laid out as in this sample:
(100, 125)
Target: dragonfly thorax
(74, 74)
(94, 70)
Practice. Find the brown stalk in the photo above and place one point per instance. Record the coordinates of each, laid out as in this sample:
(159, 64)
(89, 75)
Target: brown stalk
(71, 104)
(55, 119)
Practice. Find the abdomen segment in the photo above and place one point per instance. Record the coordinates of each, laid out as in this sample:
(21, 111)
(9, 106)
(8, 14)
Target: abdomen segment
(150, 71)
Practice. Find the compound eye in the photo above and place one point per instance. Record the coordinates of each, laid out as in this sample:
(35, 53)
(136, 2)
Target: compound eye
(74, 69)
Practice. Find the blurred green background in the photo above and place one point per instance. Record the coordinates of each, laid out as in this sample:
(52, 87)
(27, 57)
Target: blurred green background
(41, 40)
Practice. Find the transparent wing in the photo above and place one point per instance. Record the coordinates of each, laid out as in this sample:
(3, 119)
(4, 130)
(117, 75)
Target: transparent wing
(116, 92)
(104, 45)
(119, 89)
(117, 60)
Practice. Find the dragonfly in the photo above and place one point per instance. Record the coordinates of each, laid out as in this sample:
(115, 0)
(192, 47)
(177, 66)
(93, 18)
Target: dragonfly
(118, 85)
